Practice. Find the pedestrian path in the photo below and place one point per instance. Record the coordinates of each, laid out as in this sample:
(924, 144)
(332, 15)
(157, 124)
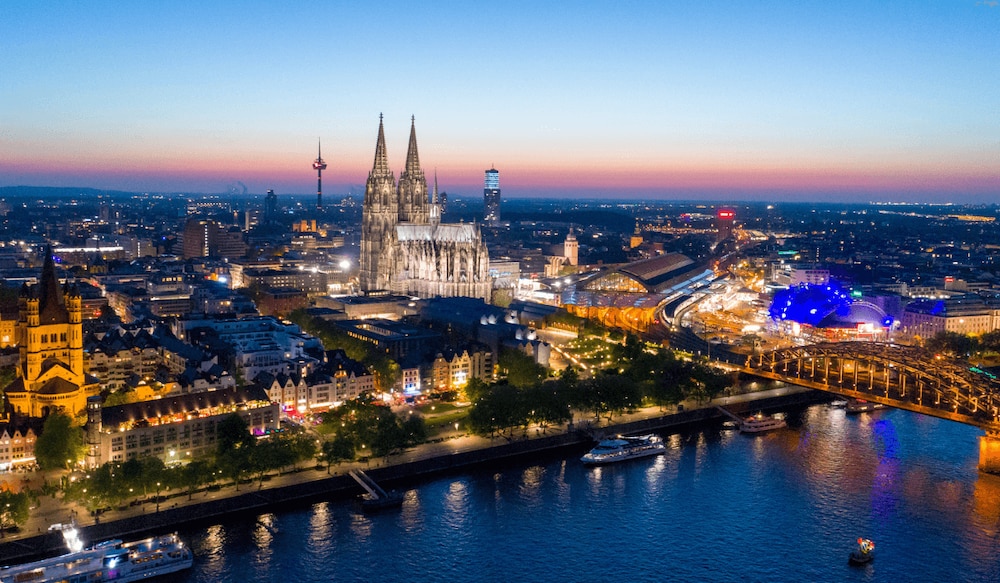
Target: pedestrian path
(52, 509)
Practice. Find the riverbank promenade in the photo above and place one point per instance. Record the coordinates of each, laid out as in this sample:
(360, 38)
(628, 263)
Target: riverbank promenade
(450, 452)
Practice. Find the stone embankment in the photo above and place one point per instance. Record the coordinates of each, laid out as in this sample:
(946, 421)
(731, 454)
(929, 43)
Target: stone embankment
(310, 486)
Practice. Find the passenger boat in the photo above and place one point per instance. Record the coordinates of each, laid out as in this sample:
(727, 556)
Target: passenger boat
(861, 406)
(623, 448)
(760, 422)
(864, 553)
(110, 560)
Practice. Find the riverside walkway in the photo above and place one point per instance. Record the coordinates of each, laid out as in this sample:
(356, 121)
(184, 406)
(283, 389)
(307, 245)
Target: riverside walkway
(453, 451)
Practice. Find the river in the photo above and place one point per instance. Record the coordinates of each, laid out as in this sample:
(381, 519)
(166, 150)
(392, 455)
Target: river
(718, 506)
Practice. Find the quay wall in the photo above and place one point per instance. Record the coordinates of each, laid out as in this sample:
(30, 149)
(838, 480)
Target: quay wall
(321, 487)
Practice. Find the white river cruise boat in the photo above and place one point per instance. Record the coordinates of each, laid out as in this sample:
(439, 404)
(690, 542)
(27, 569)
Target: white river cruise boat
(760, 422)
(623, 448)
(111, 560)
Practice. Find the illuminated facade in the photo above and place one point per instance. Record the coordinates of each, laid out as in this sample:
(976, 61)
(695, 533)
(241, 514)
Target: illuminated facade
(50, 374)
(571, 249)
(339, 379)
(16, 449)
(174, 429)
(405, 249)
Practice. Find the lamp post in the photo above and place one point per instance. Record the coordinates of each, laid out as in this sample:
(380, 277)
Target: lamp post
(157, 496)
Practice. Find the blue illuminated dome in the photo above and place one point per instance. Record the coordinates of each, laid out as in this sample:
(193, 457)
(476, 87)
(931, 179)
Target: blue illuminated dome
(809, 303)
(825, 306)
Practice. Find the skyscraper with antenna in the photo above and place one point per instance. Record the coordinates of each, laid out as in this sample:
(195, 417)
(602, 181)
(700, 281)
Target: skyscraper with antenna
(319, 166)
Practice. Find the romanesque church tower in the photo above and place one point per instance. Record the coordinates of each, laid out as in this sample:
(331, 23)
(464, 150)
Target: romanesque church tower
(50, 373)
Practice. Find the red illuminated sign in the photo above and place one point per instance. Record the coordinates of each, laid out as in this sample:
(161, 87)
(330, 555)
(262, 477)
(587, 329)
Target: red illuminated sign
(726, 215)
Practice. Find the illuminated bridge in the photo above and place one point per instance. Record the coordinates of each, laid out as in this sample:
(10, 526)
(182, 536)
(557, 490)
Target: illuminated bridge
(899, 376)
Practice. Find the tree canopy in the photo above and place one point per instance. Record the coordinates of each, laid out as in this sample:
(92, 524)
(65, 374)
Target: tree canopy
(61, 443)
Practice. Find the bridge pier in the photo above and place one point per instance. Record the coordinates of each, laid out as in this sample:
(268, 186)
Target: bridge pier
(989, 453)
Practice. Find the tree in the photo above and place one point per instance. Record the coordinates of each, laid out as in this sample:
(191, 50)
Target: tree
(233, 433)
(268, 455)
(338, 449)
(520, 369)
(414, 430)
(952, 343)
(194, 475)
(61, 443)
(389, 435)
(500, 410)
(233, 447)
(387, 374)
(15, 509)
(301, 447)
(475, 388)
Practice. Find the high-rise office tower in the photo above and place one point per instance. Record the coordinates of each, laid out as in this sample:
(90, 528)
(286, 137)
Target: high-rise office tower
(724, 219)
(491, 196)
(270, 207)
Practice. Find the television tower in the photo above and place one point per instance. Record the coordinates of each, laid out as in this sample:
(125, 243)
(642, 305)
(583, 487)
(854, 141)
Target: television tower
(319, 166)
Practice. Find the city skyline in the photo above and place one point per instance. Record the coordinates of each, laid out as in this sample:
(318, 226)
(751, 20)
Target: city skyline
(724, 101)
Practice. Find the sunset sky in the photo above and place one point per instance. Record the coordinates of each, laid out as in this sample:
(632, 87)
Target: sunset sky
(661, 99)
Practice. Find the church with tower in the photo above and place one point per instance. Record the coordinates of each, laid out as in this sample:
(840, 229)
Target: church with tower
(50, 370)
(405, 248)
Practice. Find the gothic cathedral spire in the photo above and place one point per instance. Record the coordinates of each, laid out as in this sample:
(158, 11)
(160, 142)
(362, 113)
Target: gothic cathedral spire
(380, 213)
(413, 203)
(412, 159)
(381, 166)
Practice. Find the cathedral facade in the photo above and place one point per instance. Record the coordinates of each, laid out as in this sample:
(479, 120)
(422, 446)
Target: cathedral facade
(405, 249)
(50, 371)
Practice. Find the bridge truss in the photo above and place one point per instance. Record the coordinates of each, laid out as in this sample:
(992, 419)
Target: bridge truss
(899, 376)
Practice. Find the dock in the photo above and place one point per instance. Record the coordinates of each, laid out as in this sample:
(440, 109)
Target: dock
(374, 490)
(727, 413)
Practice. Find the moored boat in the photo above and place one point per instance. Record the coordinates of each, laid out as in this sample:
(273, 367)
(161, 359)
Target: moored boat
(861, 406)
(864, 553)
(623, 448)
(760, 422)
(110, 560)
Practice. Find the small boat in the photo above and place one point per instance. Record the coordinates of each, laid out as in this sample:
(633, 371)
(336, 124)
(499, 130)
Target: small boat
(861, 406)
(623, 448)
(760, 422)
(864, 553)
(838, 403)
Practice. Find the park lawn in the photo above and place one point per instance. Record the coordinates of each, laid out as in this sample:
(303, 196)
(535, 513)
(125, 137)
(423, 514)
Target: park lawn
(443, 422)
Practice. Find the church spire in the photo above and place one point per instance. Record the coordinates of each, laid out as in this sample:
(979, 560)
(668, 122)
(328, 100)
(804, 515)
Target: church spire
(381, 165)
(434, 197)
(412, 159)
(51, 307)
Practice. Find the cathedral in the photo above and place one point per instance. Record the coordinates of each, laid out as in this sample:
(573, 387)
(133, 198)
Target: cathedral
(50, 371)
(405, 248)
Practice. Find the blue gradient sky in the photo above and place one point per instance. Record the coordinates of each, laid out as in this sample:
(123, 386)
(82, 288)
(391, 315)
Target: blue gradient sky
(865, 100)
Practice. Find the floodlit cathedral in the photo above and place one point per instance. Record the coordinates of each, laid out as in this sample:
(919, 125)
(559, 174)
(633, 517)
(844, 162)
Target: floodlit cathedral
(50, 372)
(405, 248)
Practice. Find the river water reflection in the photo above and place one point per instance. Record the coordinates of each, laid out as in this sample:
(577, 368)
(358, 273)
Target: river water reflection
(718, 506)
